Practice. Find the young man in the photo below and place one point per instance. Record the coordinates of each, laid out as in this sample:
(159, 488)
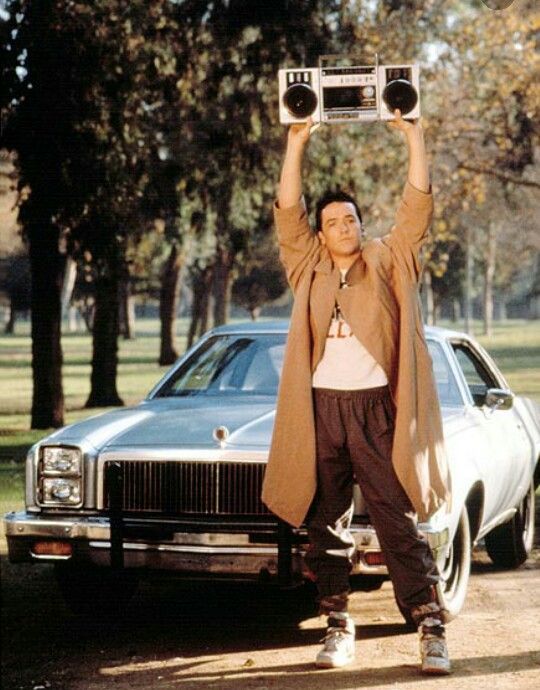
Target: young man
(357, 399)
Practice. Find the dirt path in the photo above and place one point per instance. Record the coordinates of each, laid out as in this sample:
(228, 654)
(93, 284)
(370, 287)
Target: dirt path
(237, 638)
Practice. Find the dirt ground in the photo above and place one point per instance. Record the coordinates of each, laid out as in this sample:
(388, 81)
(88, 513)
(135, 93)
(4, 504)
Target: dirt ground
(232, 637)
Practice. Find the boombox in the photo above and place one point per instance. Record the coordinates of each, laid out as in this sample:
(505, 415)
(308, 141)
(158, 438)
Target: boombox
(349, 93)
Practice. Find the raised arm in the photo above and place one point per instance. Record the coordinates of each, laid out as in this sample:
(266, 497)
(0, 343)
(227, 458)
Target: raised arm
(418, 173)
(415, 210)
(297, 242)
(290, 183)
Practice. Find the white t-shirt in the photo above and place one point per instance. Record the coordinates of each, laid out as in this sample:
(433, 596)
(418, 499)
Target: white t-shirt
(346, 364)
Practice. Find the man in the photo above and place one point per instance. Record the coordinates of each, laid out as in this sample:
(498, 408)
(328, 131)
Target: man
(357, 399)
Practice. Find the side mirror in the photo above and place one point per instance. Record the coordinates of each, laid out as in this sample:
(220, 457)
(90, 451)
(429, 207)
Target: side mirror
(499, 399)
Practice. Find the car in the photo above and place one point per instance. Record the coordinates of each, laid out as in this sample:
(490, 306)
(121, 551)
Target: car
(174, 483)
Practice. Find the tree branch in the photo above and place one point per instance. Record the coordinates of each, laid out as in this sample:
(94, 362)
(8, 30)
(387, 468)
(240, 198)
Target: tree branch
(499, 175)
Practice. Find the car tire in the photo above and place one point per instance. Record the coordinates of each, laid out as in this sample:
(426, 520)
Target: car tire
(509, 544)
(97, 593)
(455, 568)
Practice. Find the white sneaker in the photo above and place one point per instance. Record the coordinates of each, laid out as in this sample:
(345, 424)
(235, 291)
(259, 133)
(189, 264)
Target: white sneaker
(339, 646)
(433, 651)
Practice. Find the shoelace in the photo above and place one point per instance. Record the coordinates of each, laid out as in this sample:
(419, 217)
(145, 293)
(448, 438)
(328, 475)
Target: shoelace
(333, 637)
(435, 646)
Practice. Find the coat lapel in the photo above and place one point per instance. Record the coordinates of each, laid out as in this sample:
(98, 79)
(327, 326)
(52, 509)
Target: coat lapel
(321, 304)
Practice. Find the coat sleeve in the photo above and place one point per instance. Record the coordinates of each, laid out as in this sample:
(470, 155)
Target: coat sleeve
(298, 244)
(411, 227)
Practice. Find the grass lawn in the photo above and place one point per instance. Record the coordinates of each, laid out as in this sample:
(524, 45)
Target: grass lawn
(515, 346)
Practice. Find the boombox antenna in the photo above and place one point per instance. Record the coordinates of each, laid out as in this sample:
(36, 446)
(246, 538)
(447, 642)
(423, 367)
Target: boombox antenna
(323, 59)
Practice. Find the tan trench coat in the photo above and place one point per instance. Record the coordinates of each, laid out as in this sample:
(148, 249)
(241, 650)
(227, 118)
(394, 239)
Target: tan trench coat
(382, 308)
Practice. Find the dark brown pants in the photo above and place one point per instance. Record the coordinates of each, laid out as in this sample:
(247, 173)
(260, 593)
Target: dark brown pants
(354, 431)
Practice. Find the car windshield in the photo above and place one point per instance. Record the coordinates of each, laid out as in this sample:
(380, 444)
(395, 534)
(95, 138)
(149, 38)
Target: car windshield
(230, 365)
(251, 365)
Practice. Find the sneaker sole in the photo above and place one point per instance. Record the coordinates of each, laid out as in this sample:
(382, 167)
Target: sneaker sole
(333, 664)
(436, 669)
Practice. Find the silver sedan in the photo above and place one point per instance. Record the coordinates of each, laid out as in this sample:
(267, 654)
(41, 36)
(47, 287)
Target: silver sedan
(174, 482)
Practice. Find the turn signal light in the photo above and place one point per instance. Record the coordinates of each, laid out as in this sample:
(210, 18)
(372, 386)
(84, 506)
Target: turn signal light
(374, 558)
(52, 548)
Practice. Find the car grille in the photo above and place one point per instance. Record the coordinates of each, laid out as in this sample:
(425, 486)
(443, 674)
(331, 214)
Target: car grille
(193, 488)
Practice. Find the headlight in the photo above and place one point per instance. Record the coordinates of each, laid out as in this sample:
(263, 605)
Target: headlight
(60, 477)
(61, 491)
(61, 461)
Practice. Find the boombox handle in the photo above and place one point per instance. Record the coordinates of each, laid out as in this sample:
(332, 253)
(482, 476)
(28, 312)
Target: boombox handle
(340, 56)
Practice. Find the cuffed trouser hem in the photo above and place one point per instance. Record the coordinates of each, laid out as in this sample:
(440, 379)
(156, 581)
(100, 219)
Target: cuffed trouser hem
(428, 611)
(336, 603)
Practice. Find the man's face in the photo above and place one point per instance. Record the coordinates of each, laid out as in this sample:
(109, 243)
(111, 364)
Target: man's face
(341, 229)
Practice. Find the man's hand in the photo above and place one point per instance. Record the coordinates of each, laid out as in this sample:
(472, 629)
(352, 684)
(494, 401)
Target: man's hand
(407, 126)
(418, 174)
(299, 134)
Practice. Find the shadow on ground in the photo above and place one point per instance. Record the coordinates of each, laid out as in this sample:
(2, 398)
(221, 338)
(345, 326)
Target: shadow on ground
(174, 631)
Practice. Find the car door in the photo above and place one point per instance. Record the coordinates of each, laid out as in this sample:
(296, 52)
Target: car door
(504, 444)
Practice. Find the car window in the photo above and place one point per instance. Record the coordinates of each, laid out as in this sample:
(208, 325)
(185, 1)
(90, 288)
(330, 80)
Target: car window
(447, 387)
(230, 364)
(476, 375)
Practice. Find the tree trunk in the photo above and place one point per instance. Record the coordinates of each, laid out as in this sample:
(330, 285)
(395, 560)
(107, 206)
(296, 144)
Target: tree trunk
(168, 306)
(201, 283)
(70, 276)
(103, 391)
(456, 309)
(126, 307)
(254, 313)
(467, 306)
(46, 264)
(222, 285)
(489, 274)
(205, 313)
(10, 323)
(430, 302)
(73, 324)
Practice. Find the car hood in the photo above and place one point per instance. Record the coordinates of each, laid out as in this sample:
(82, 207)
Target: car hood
(177, 422)
(189, 422)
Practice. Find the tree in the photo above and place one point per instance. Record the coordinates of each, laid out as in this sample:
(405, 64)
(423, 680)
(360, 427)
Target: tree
(485, 151)
(37, 83)
(261, 281)
(14, 270)
(231, 136)
(99, 70)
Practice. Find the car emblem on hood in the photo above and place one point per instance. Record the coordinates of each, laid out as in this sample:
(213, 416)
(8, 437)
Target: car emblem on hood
(221, 434)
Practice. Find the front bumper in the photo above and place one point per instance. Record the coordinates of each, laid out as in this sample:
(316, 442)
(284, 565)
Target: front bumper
(250, 554)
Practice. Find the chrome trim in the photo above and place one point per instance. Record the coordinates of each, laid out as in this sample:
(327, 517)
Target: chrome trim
(206, 455)
(49, 557)
(499, 519)
(185, 548)
(499, 399)
(26, 525)
(226, 553)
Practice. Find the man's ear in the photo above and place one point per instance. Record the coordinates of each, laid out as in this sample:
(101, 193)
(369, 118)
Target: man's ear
(322, 238)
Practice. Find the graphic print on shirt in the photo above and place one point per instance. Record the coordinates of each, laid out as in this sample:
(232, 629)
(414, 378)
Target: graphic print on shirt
(346, 364)
(339, 328)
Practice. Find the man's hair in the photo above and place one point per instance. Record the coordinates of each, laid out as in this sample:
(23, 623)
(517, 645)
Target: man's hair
(329, 198)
